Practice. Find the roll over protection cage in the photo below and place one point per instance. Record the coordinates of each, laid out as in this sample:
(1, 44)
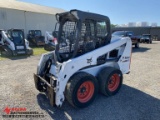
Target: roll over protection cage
(79, 17)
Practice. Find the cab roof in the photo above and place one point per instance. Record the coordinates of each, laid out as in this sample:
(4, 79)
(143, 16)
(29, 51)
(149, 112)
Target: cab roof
(80, 15)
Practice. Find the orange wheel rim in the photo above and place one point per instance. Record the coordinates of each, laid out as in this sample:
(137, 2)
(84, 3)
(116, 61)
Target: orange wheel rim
(114, 82)
(85, 92)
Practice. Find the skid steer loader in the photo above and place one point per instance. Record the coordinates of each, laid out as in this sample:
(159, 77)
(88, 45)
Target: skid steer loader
(35, 38)
(91, 61)
(50, 40)
(12, 42)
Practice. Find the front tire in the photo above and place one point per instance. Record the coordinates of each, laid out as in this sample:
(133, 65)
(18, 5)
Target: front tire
(110, 81)
(7, 52)
(81, 90)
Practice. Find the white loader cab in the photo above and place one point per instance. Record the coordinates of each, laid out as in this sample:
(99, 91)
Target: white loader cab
(85, 60)
(13, 43)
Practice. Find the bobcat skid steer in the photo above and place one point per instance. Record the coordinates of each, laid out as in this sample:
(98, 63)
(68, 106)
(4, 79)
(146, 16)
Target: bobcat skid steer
(91, 61)
(35, 38)
(13, 43)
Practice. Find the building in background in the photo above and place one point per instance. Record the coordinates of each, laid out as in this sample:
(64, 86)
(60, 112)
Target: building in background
(154, 24)
(21, 15)
(138, 24)
(142, 24)
(140, 28)
(154, 31)
(131, 24)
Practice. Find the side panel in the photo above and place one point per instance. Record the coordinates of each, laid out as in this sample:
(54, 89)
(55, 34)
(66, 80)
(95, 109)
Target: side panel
(125, 60)
(39, 21)
(95, 70)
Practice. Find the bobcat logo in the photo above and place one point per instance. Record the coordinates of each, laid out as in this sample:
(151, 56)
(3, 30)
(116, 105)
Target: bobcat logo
(89, 61)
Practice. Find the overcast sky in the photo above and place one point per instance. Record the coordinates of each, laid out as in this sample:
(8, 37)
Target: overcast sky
(119, 11)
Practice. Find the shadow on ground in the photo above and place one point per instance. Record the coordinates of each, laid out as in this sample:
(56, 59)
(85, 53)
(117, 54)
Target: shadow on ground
(140, 49)
(128, 104)
(16, 57)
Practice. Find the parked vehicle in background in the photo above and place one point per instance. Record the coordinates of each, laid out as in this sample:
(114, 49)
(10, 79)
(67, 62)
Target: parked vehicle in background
(155, 38)
(35, 38)
(135, 39)
(13, 42)
(50, 40)
(146, 38)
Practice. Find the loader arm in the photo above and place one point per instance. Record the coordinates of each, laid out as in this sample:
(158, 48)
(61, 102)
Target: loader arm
(5, 38)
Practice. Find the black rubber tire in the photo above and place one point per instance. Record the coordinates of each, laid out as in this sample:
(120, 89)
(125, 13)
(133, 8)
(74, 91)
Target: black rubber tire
(72, 88)
(104, 77)
(29, 51)
(7, 51)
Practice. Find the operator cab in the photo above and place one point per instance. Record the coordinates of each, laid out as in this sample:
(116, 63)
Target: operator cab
(31, 32)
(34, 33)
(38, 33)
(17, 36)
(81, 32)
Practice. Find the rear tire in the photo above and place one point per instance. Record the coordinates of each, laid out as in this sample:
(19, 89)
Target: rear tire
(81, 90)
(110, 81)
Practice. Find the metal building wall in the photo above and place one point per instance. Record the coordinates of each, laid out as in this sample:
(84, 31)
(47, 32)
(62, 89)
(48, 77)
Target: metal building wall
(155, 32)
(136, 30)
(10, 18)
(39, 21)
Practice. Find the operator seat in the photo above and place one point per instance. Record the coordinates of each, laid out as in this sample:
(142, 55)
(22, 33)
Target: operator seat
(89, 44)
(107, 38)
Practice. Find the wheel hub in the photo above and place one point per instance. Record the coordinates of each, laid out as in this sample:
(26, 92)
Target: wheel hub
(85, 91)
(114, 82)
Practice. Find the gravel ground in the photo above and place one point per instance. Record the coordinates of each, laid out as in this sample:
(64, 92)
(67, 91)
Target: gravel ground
(138, 99)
